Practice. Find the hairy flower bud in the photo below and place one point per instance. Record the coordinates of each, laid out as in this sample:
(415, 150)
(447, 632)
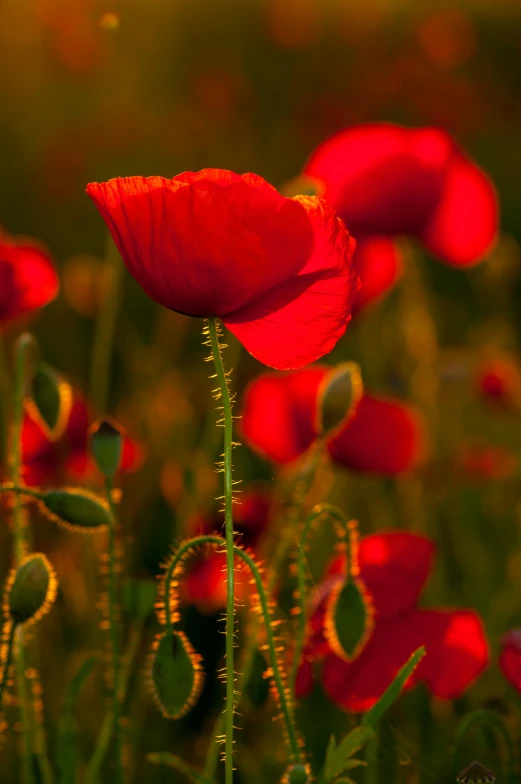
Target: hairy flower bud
(31, 589)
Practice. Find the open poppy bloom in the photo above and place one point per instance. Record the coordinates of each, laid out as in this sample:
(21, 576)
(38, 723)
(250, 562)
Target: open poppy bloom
(394, 568)
(279, 420)
(276, 271)
(68, 459)
(28, 279)
(510, 658)
(204, 583)
(385, 180)
(498, 379)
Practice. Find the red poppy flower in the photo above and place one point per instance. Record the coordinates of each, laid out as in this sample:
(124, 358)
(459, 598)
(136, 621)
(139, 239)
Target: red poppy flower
(204, 584)
(510, 658)
(387, 180)
(277, 271)
(394, 568)
(279, 421)
(28, 279)
(499, 381)
(68, 459)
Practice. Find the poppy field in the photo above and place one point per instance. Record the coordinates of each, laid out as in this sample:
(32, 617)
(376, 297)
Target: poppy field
(260, 392)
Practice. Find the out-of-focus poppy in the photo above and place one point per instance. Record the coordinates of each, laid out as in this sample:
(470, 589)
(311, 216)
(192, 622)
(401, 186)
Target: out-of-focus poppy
(498, 379)
(394, 568)
(204, 583)
(486, 462)
(510, 658)
(277, 271)
(28, 279)
(68, 459)
(386, 180)
(279, 418)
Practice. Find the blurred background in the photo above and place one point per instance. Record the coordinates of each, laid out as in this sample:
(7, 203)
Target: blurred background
(92, 90)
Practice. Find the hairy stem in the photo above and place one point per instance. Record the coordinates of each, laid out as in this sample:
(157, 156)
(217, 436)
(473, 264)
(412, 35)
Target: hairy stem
(7, 662)
(224, 396)
(285, 700)
(6, 384)
(114, 637)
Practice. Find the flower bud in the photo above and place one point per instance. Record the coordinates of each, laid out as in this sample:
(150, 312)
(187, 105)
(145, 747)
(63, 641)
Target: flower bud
(76, 509)
(50, 401)
(338, 396)
(106, 441)
(177, 677)
(31, 589)
(297, 774)
(349, 619)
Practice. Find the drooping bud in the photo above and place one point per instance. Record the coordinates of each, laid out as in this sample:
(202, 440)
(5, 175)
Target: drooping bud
(338, 396)
(50, 401)
(76, 509)
(177, 676)
(31, 589)
(106, 440)
(349, 619)
(297, 774)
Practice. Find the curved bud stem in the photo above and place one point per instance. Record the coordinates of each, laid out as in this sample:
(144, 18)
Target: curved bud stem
(341, 528)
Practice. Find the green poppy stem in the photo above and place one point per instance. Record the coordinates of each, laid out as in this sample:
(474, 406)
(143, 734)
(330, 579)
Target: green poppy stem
(7, 662)
(114, 637)
(223, 394)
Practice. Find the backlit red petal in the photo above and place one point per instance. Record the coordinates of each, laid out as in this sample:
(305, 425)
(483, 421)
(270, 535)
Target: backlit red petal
(384, 436)
(28, 278)
(302, 318)
(379, 265)
(510, 658)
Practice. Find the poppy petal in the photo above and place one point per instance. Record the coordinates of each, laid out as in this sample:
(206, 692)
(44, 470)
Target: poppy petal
(510, 658)
(205, 243)
(383, 436)
(302, 318)
(278, 413)
(28, 278)
(464, 225)
(379, 265)
(457, 652)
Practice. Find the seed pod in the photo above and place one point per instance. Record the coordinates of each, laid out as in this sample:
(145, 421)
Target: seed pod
(177, 677)
(31, 589)
(297, 774)
(50, 401)
(349, 618)
(338, 396)
(76, 509)
(106, 441)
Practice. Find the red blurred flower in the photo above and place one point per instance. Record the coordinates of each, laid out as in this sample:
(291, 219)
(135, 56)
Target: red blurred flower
(510, 658)
(279, 421)
(394, 568)
(28, 279)
(386, 180)
(277, 271)
(499, 380)
(486, 462)
(204, 584)
(68, 459)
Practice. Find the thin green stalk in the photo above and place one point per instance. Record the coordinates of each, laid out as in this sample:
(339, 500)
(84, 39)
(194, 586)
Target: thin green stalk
(7, 663)
(105, 330)
(107, 727)
(290, 527)
(114, 637)
(485, 717)
(6, 386)
(322, 510)
(286, 706)
(20, 551)
(223, 394)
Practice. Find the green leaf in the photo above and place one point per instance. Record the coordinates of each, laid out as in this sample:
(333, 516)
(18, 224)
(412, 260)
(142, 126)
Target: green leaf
(339, 760)
(173, 761)
(349, 620)
(391, 694)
